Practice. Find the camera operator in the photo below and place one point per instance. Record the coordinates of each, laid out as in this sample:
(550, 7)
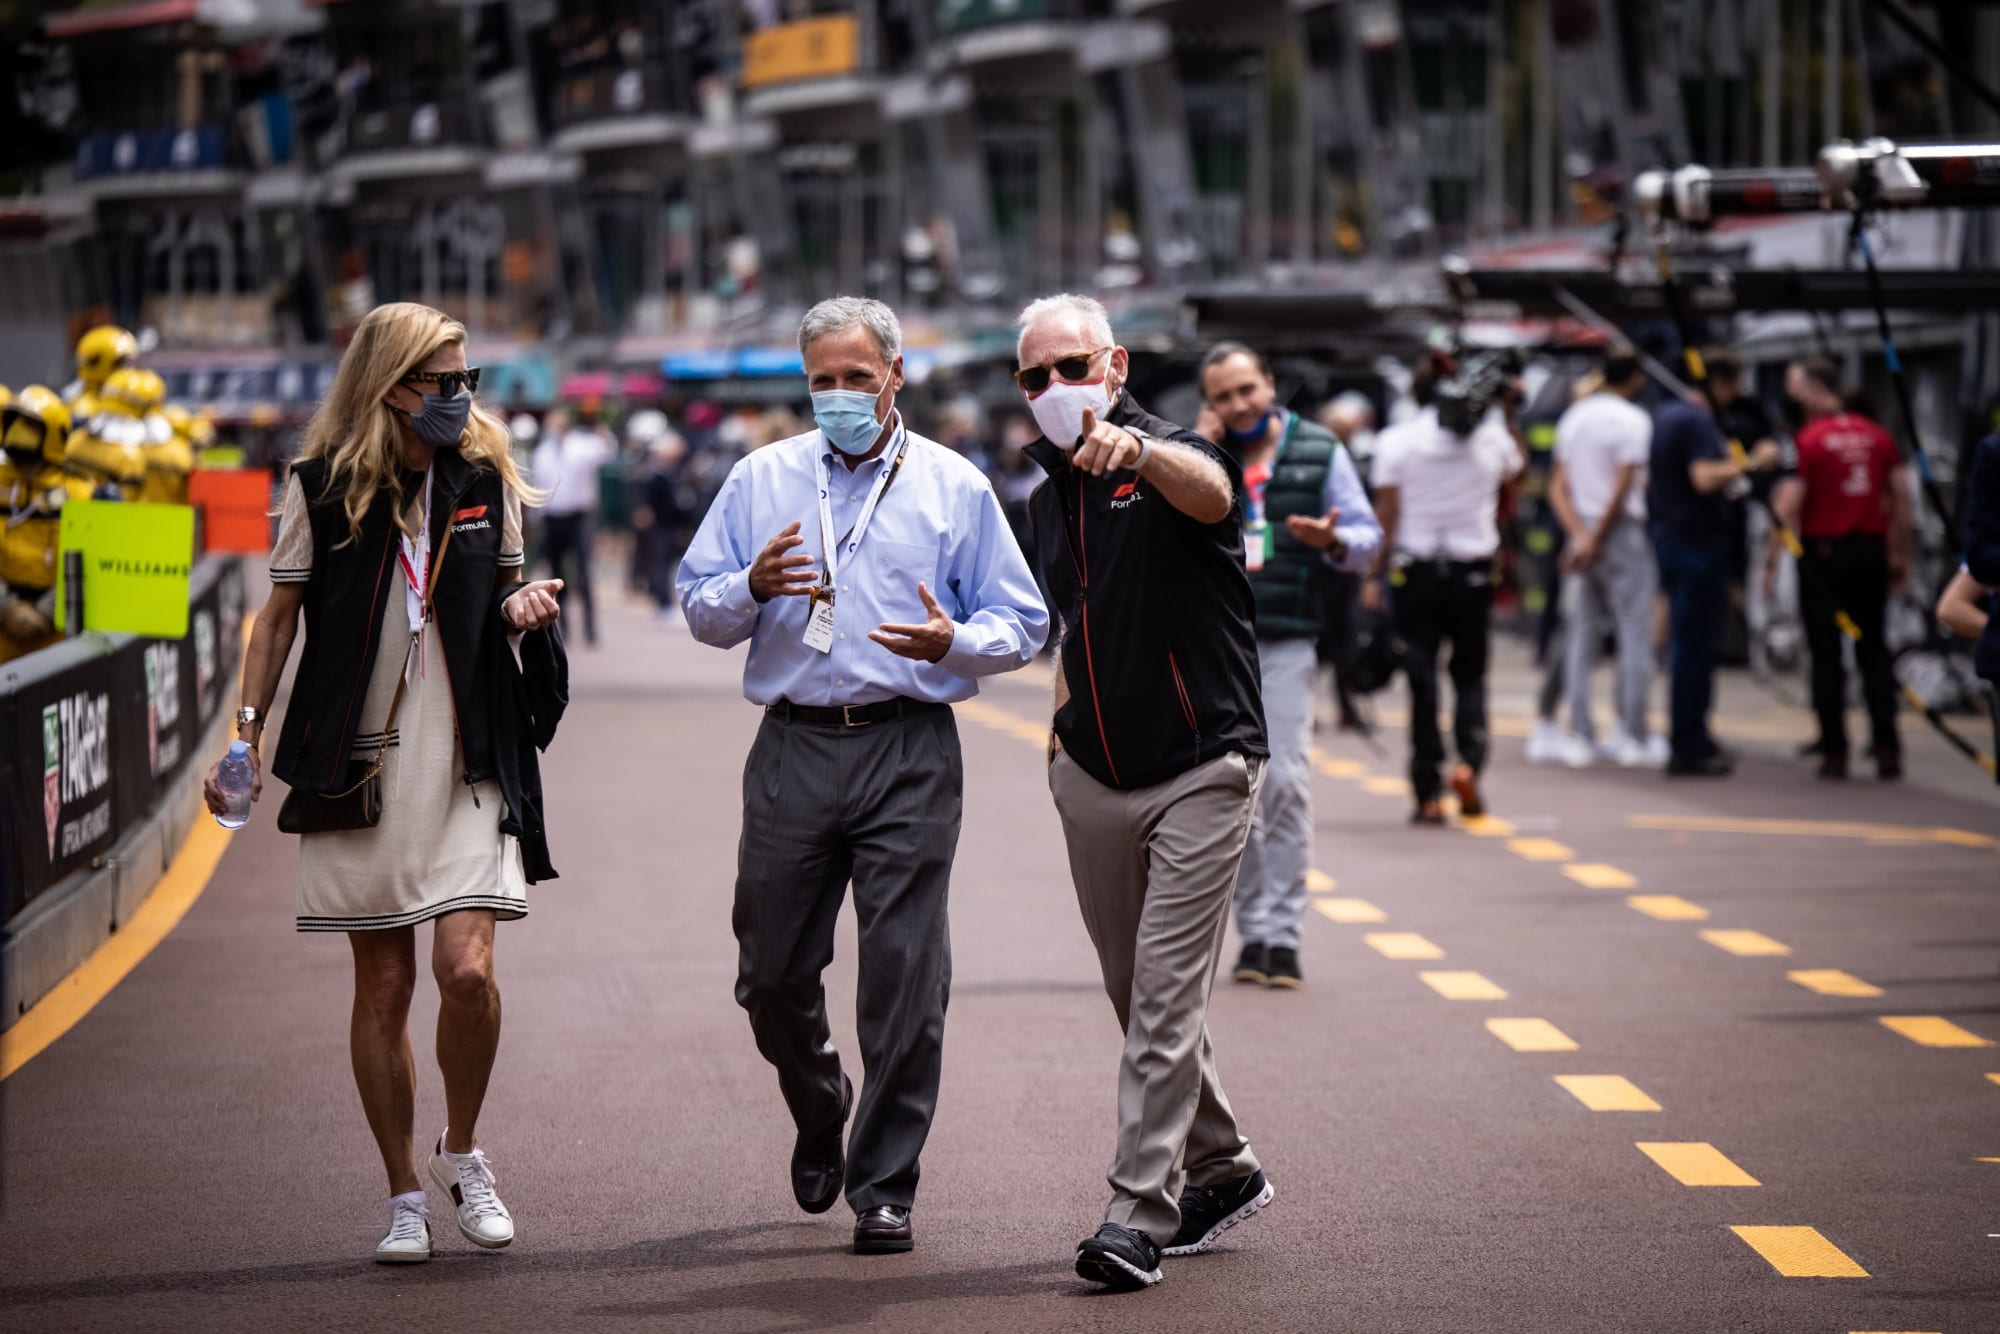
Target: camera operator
(1437, 489)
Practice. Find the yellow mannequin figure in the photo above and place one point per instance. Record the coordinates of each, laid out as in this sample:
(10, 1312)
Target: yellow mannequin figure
(110, 448)
(34, 485)
(101, 353)
(169, 448)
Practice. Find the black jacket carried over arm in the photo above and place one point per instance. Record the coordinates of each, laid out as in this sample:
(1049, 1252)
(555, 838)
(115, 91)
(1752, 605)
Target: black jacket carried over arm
(1159, 646)
(528, 700)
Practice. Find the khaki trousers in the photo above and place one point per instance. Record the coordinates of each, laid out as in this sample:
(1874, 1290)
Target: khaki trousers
(1155, 869)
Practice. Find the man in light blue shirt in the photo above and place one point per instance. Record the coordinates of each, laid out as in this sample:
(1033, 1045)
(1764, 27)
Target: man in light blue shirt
(876, 578)
(1306, 515)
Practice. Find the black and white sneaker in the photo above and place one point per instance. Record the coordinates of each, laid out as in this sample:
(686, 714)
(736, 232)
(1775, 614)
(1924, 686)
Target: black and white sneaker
(1118, 1257)
(1209, 1211)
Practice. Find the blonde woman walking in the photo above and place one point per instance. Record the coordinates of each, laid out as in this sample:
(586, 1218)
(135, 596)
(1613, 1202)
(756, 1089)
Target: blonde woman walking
(400, 541)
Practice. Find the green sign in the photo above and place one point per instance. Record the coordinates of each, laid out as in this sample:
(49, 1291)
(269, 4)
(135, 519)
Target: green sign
(965, 15)
(136, 562)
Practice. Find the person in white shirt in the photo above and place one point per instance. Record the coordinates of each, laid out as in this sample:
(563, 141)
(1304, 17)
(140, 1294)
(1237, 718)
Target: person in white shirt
(1437, 496)
(1599, 496)
(565, 466)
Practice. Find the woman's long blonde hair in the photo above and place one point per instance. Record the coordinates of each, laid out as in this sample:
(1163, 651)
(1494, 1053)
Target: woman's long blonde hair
(356, 432)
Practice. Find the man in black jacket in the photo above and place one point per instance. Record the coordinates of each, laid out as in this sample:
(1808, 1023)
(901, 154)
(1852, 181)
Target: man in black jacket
(1158, 752)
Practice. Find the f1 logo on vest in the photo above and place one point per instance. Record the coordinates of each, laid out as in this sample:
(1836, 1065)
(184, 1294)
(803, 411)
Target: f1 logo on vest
(465, 520)
(1125, 496)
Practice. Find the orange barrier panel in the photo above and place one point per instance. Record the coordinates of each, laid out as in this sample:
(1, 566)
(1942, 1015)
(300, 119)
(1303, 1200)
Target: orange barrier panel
(235, 508)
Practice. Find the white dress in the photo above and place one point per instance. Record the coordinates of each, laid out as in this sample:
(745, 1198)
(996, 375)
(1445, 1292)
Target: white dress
(438, 847)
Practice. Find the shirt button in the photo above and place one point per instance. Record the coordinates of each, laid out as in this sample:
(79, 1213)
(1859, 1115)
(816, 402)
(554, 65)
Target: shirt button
(839, 681)
(843, 634)
(847, 588)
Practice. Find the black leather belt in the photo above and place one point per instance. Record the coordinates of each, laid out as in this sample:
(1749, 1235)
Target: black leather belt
(851, 715)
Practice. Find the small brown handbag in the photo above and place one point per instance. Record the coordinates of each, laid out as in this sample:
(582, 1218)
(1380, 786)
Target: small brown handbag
(359, 805)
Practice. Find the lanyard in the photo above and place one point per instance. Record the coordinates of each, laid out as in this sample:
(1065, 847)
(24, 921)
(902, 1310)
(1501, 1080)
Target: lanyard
(415, 559)
(836, 553)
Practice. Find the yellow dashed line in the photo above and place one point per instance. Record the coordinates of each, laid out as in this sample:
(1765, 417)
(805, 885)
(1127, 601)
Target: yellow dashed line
(1386, 787)
(1668, 908)
(1486, 826)
(1800, 1252)
(1342, 768)
(1749, 944)
(1697, 1164)
(1596, 875)
(1349, 912)
(1607, 1093)
(1319, 882)
(1402, 945)
(1878, 833)
(1540, 849)
(1462, 986)
(1929, 1030)
(1531, 1035)
(1994, 1078)
(1833, 982)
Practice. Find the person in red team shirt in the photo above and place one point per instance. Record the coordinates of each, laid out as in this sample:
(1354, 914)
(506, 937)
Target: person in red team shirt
(1849, 502)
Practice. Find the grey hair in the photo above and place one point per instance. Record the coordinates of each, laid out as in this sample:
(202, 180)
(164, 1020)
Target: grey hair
(839, 313)
(1067, 303)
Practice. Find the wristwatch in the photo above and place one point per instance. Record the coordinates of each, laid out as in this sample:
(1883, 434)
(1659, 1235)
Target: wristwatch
(249, 716)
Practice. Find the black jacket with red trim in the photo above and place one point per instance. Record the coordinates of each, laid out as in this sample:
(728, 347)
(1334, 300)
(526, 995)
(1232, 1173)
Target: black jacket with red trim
(1159, 646)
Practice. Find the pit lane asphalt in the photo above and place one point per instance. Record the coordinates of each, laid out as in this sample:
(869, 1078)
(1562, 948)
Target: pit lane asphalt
(192, 1154)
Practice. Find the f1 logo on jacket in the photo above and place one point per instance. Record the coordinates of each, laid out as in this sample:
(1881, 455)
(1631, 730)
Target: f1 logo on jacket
(1125, 496)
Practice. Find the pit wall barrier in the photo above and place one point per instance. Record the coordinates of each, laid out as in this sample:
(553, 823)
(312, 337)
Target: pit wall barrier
(104, 741)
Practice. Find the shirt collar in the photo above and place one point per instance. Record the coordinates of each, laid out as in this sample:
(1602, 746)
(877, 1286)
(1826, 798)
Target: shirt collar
(836, 462)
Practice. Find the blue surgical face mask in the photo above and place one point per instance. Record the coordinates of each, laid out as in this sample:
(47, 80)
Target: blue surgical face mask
(1255, 433)
(846, 417)
(442, 420)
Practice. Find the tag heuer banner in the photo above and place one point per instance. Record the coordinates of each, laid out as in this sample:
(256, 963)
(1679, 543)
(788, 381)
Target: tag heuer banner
(94, 729)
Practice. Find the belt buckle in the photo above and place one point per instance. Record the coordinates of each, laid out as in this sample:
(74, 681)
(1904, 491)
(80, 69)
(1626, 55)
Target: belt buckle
(847, 717)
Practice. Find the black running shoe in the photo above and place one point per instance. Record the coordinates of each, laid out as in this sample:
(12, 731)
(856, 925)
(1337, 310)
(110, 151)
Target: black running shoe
(1118, 1257)
(1209, 1211)
(1250, 966)
(1281, 968)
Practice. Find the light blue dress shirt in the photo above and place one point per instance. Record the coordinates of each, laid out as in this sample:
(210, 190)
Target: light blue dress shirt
(1357, 526)
(939, 522)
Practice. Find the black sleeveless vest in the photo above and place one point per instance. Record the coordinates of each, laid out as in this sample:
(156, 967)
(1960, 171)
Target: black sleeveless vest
(1290, 589)
(351, 584)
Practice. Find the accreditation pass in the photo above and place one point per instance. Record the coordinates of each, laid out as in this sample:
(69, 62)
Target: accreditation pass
(836, 553)
(819, 621)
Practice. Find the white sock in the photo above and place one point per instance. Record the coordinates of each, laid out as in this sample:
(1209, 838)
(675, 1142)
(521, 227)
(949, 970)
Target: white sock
(453, 1158)
(415, 1198)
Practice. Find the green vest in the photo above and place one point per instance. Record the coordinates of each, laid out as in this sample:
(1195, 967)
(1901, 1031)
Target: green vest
(1291, 588)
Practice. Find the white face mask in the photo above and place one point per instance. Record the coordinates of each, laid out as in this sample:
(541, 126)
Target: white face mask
(1060, 408)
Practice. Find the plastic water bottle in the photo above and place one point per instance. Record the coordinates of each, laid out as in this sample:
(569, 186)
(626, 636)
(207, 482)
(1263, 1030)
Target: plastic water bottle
(234, 776)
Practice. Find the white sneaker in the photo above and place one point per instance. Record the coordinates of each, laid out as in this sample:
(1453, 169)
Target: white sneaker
(1578, 753)
(1612, 746)
(1545, 742)
(1628, 754)
(482, 1219)
(409, 1239)
(1656, 750)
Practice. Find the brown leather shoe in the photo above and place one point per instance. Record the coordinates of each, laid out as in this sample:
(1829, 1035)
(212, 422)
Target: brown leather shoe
(1465, 786)
(819, 1162)
(883, 1230)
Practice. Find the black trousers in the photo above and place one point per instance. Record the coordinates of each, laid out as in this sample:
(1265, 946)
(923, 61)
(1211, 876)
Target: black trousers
(879, 805)
(1445, 604)
(1854, 575)
(564, 536)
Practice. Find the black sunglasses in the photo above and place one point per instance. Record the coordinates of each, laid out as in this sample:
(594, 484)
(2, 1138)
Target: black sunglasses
(1035, 379)
(448, 382)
